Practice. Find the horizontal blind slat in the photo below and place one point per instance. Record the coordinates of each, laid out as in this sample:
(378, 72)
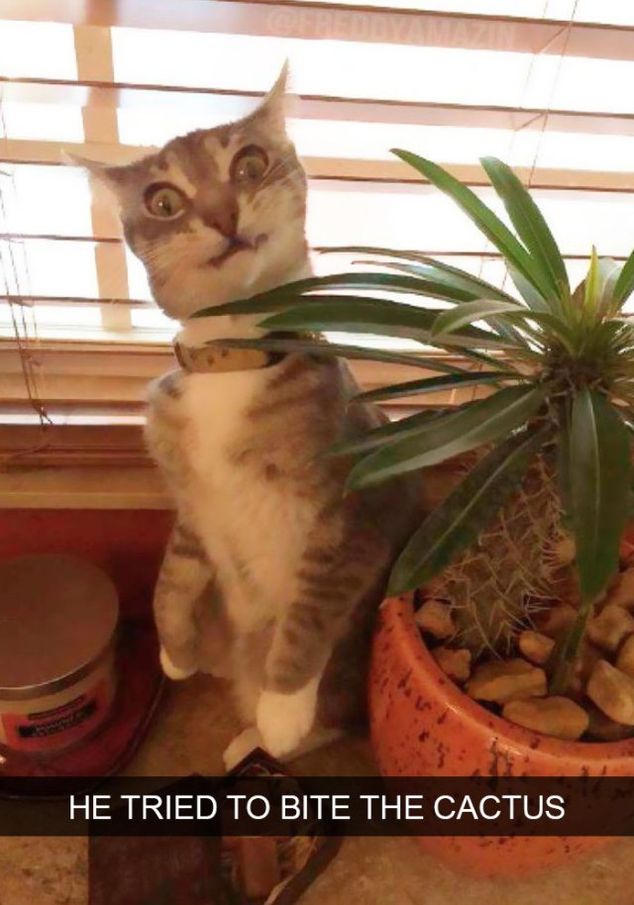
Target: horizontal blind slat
(343, 183)
(227, 103)
(314, 21)
(30, 152)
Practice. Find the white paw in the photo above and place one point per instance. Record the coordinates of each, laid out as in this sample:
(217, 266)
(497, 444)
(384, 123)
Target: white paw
(285, 719)
(171, 670)
(243, 744)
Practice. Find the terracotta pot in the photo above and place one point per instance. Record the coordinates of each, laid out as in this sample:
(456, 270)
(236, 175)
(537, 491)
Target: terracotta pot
(424, 725)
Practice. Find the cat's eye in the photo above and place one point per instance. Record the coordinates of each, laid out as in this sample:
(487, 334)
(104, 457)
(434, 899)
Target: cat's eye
(249, 165)
(164, 201)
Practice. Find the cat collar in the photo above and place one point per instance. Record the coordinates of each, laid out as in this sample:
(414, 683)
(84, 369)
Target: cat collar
(219, 359)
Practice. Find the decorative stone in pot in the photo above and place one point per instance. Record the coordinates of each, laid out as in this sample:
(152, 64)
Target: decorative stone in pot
(423, 724)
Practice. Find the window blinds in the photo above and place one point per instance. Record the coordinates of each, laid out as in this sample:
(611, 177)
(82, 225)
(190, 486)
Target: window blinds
(548, 89)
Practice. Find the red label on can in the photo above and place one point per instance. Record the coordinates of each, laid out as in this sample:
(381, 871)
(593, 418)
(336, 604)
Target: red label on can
(47, 730)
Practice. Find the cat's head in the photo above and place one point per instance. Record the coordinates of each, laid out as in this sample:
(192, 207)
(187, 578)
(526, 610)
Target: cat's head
(217, 214)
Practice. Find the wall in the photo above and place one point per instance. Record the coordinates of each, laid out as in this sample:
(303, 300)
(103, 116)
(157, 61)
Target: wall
(127, 544)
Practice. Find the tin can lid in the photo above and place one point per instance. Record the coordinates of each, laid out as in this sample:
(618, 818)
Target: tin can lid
(57, 614)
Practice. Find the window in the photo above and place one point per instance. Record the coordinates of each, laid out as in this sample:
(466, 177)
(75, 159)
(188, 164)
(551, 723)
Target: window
(457, 79)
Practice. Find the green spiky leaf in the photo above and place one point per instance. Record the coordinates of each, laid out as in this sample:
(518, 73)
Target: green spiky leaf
(461, 281)
(400, 429)
(484, 218)
(591, 285)
(434, 384)
(533, 298)
(551, 325)
(429, 269)
(600, 472)
(465, 512)
(469, 312)
(609, 272)
(481, 422)
(291, 293)
(563, 469)
(625, 283)
(375, 316)
(529, 222)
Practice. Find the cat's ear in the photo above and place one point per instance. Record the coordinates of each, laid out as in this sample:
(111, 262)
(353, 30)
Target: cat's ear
(112, 176)
(274, 105)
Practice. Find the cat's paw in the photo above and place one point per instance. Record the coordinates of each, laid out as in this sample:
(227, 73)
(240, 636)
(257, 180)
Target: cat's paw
(243, 744)
(171, 670)
(284, 720)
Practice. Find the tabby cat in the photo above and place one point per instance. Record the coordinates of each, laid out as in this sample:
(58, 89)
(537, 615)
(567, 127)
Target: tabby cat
(271, 577)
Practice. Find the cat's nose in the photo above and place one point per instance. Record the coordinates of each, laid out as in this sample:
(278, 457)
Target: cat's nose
(222, 214)
(224, 220)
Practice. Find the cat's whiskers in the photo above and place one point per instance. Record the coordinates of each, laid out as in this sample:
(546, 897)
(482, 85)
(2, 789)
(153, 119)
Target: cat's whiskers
(165, 256)
(277, 168)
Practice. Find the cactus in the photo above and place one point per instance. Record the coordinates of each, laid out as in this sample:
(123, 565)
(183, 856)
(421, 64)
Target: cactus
(498, 584)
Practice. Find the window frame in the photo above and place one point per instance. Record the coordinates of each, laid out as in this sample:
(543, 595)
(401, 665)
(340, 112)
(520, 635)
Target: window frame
(90, 387)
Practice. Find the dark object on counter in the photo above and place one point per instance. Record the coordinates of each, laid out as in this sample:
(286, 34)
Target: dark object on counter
(240, 870)
(157, 871)
(298, 859)
(259, 870)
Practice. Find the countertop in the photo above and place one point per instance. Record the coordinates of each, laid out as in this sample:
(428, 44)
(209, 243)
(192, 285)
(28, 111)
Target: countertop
(193, 726)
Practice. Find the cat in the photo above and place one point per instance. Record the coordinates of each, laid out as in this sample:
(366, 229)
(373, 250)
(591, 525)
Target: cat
(271, 577)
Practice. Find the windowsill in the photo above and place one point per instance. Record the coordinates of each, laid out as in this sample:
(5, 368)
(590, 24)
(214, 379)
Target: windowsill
(106, 375)
(137, 488)
(92, 454)
(93, 487)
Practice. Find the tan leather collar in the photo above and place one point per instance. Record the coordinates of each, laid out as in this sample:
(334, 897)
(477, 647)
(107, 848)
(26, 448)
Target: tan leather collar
(219, 359)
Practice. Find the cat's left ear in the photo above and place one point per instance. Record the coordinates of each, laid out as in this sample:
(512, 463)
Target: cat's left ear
(274, 105)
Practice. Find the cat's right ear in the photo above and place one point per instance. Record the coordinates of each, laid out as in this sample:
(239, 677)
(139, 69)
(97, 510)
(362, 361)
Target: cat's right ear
(274, 106)
(113, 177)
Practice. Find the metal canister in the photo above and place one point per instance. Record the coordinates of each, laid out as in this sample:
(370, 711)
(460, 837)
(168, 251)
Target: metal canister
(58, 621)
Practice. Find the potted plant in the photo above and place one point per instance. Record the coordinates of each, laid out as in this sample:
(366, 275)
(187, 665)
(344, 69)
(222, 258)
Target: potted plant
(527, 663)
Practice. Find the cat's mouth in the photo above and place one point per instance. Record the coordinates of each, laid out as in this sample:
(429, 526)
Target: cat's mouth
(235, 244)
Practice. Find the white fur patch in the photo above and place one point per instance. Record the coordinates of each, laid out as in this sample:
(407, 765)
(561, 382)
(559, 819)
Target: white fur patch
(233, 510)
(171, 670)
(243, 744)
(284, 720)
(221, 155)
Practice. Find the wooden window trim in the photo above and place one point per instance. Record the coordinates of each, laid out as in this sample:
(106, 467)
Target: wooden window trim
(295, 19)
(94, 395)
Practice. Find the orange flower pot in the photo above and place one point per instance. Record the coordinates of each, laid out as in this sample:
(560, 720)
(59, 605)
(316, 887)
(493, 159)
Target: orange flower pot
(423, 725)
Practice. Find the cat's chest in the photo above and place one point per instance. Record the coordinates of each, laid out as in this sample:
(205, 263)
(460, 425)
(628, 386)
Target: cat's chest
(216, 424)
(216, 420)
(241, 517)
(228, 459)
